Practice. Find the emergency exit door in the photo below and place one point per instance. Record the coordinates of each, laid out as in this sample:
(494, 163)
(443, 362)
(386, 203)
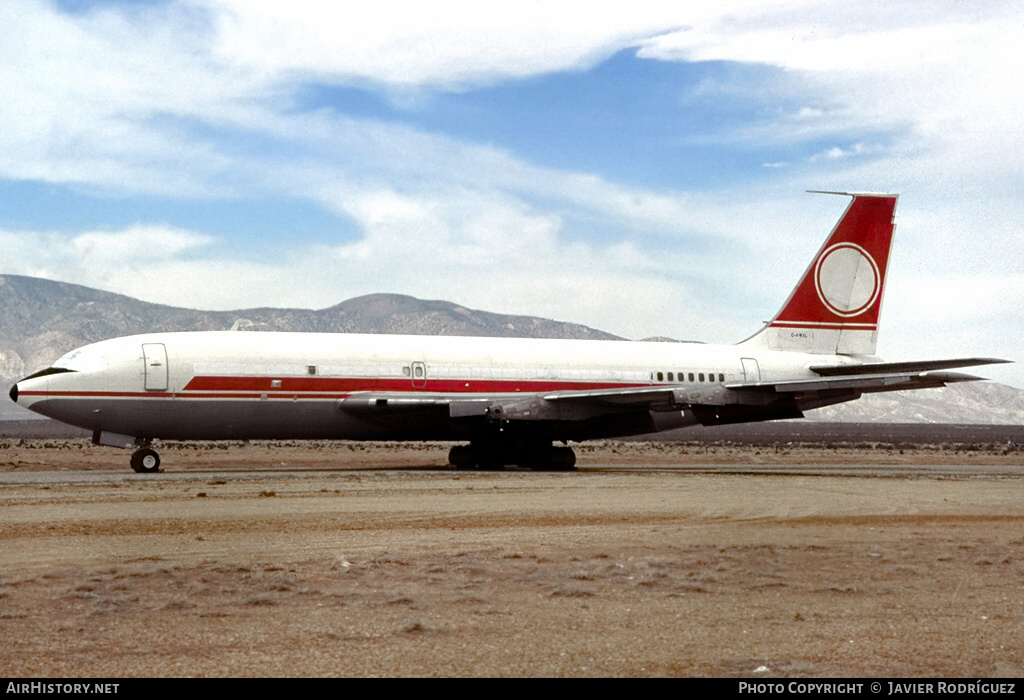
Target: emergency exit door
(751, 372)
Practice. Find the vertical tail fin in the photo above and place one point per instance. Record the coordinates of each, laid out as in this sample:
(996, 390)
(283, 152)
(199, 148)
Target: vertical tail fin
(835, 307)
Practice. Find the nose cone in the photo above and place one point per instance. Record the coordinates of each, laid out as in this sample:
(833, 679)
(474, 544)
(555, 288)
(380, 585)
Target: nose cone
(14, 393)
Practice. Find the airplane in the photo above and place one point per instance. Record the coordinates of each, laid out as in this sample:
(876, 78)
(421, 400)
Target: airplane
(512, 399)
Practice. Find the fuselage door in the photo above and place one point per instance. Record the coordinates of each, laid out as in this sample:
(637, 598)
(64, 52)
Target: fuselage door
(155, 362)
(419, 375)
(751, 372)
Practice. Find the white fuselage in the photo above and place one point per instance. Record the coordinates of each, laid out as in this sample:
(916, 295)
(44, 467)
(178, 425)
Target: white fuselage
(249, 385)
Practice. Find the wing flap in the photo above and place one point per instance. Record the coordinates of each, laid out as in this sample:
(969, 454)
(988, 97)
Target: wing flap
(629, 395)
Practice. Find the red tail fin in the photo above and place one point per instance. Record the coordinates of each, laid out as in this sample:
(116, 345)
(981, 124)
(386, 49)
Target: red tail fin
(835, 307)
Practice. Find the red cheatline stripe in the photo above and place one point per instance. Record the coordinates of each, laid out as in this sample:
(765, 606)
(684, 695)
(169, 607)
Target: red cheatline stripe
(180, 395)
(348, 385)
(336, 388)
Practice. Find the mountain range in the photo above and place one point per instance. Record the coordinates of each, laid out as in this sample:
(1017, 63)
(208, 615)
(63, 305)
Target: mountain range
(41, 319)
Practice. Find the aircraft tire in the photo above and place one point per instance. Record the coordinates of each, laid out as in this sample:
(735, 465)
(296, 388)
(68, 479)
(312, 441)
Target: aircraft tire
(461, 457)
(546, 458)
(475, 457)
(554, 459)
(466, 457)
(563, 459)
(145, 461)
(489, 461)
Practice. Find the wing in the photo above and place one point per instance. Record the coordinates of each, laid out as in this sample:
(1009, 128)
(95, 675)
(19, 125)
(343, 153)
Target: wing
(711, 404)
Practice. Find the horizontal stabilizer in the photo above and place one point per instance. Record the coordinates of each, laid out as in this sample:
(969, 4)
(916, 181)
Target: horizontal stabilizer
(901, 367)
(867, 383)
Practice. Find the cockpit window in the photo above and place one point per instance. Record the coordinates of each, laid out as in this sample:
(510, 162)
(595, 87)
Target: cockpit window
(48, 370)
(81, 360)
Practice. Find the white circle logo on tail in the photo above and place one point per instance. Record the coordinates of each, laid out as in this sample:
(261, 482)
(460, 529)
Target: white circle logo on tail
(847, 279)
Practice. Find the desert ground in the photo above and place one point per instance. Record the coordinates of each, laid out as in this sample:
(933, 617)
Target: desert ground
(654, 559)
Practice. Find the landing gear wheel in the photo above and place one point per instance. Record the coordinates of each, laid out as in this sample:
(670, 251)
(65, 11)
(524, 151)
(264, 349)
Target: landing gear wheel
(473, 457)
(145, 461)
(461, 457)
(548, 459)
(563, 459)
(490, 463)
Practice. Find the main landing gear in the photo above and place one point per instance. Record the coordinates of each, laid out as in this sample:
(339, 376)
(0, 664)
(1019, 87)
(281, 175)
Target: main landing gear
(145, 461)
(538, 456)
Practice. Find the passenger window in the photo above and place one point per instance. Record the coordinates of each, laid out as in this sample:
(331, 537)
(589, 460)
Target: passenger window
(661, 377)
(721, 377)
(670, 377)
(701, 376)
(311, 369)
(691, 376)
(406, 371)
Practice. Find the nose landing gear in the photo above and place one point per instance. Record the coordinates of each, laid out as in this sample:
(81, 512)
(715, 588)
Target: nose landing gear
(145, 461)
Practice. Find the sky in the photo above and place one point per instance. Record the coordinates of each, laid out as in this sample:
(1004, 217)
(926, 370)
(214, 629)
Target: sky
(641, 168)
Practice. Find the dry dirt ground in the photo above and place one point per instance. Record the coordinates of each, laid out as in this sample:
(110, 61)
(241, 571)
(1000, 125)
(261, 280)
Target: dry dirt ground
(335, 559)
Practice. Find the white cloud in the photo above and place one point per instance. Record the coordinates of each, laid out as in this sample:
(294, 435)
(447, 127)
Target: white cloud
(439, 44)
(90, 99)
(131, 100)
(837, 153)
(417, 246)
(120, 261)
(943, 72)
